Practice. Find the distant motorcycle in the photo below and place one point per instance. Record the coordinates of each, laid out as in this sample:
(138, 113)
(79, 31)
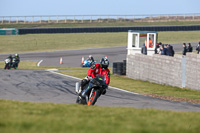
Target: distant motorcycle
(87, 63)
(95, 86)
(7, 64)
(15, 63)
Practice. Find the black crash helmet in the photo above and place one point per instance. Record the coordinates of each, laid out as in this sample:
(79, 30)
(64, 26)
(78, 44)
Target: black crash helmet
(104, 62)
(10, 56)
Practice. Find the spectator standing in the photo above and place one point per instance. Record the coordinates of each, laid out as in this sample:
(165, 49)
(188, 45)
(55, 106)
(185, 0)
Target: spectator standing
(150, 43)
(157, 48)
(144, 49)
(165, 50)
(184, 49)
(198, 48)
(170, 50)
(189, 48)
(161, 50)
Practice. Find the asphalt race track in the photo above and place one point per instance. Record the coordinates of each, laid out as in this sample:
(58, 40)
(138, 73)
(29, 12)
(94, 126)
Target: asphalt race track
(72, 58)
(45, 86)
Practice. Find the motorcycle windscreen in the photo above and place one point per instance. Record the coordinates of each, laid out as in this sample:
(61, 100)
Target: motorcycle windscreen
(101, 77)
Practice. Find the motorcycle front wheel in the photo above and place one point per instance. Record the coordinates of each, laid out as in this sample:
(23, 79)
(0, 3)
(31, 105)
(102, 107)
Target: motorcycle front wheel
(93, 97)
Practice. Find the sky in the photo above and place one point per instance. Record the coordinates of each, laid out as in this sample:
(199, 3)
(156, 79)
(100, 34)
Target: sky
(97, 7)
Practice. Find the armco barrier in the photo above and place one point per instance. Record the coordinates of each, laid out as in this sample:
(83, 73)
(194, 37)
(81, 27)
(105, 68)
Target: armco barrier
(107, 29)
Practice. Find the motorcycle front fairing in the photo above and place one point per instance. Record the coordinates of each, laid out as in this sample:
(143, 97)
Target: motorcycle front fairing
(98, 83)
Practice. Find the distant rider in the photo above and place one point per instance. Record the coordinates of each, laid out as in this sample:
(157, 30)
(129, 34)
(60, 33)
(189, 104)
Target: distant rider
(91, 59)
(17, 60)
(98, 68)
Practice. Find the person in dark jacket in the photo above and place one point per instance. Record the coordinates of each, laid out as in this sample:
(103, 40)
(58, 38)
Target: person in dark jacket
(144, 49)
(170, 50)
(189, 48)
(165, 50)
(184, 49)
(157, 48)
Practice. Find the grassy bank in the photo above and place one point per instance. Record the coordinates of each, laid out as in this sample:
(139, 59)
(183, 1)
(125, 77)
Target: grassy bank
(51, 42)
(23, 117)
(103, 24)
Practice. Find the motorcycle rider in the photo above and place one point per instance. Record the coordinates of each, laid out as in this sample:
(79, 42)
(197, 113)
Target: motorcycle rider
(17, 59)
(91, 59)
(98, 68)
(10, 60)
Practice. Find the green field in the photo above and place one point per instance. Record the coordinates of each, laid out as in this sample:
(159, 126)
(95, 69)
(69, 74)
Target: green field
(51, 42)
(27, 117)
(103, 24)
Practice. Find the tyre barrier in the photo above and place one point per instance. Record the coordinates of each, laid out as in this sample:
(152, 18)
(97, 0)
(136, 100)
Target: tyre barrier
(124, 68)
(107, 29)
(119, 68)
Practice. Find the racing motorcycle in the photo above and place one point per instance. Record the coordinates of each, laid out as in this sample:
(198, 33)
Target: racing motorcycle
(95, 88)
(88, 63)
(7, 64)
(15, 63)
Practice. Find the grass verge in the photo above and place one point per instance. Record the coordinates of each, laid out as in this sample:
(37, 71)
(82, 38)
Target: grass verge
(51, 42)
(23, 117)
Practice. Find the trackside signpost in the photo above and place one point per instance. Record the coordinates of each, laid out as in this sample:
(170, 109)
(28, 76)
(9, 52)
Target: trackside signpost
(10, 31)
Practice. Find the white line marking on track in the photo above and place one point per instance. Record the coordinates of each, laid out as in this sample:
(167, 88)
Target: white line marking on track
(65, 75)
(39, 63)
(81, 79)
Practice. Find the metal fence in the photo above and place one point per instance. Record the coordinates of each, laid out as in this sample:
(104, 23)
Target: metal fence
(97, 18)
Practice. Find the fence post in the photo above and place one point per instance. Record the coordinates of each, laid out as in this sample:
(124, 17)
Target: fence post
(40, 19)
(90, 19)
(82, 18)
(24, 19)
(2, 20)
(49, 20)
(17, 20)
(32, 19)
(74, 19)
(9, 19)
(99, 19)
(65, 19)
